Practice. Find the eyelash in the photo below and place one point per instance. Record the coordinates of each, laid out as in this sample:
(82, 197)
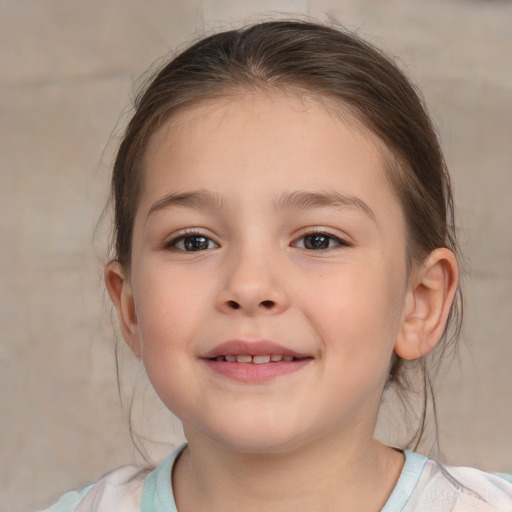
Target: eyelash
(173, 243)
(338, 242)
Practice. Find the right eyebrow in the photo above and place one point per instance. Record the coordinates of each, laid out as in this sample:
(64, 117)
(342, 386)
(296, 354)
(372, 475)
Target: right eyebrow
(197, 199)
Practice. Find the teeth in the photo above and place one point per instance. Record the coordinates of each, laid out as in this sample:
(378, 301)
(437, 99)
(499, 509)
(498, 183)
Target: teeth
(261, 359)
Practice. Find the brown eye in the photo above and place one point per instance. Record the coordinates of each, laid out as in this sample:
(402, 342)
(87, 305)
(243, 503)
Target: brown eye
(316, 242)
(319, 242)
(191, 243)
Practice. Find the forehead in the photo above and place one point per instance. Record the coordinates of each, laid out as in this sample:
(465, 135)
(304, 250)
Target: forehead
(264, 128)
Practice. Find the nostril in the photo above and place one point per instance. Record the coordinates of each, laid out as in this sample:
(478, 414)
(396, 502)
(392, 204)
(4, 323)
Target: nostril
(268, 304)
(233, 305)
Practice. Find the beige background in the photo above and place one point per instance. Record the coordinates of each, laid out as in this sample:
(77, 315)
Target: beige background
(66, 75)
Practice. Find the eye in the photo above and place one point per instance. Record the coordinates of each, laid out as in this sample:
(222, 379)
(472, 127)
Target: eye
(319, 242)
(191, 243)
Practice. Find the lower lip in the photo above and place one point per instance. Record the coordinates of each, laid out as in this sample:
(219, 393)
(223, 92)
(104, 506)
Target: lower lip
(254, 373)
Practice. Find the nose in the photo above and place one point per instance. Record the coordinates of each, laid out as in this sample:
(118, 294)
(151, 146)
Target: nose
(253, 286)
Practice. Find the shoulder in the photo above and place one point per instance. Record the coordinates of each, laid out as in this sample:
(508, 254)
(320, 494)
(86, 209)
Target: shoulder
(441, 487)
(127, 489)
(120, 490)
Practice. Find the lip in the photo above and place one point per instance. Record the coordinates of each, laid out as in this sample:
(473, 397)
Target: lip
(252, 372)
(251, 348)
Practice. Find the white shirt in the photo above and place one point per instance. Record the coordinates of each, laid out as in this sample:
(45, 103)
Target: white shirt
(424, 485)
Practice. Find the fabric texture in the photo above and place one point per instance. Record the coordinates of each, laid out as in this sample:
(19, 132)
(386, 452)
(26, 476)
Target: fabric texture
(424, 485)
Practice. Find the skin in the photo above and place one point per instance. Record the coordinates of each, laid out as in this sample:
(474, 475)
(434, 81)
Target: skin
(305, 437)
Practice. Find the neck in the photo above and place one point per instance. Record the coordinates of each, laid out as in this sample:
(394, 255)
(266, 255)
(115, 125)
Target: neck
(324, 475)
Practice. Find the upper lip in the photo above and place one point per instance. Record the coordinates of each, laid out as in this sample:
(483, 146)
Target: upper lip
(252, 348)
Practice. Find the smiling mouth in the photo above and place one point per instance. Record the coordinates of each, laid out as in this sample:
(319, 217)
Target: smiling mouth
(255, 369)
(256, 359)
(254, 362)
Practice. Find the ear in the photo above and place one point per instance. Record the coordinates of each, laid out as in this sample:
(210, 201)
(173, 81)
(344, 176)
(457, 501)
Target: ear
(427, 304)
(120, 291)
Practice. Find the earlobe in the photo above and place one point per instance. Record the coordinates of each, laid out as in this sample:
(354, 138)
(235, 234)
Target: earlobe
(120, 291)
(427, 304)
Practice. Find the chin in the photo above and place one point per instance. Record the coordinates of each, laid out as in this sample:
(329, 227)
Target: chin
(255, 429)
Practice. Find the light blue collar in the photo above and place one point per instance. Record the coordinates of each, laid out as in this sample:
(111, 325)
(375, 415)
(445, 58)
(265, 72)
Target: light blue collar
(158, 495)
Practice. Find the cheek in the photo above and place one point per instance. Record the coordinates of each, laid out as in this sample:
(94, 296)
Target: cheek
(168, 307)
(359, 311)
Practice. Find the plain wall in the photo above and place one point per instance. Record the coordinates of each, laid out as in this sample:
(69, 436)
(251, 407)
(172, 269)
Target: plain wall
(66, 75)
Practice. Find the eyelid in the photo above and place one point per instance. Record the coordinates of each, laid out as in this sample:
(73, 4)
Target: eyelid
(343, 240)
(170, 242)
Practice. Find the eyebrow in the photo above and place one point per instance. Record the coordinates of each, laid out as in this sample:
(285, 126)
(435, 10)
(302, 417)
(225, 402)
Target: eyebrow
(304, 200)
(297, 200)
(197, 199)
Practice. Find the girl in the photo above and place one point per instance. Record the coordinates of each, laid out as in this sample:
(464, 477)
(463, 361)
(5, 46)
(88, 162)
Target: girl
(284, 251)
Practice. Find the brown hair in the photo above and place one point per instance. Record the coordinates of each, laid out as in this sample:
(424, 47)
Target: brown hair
(331, 64)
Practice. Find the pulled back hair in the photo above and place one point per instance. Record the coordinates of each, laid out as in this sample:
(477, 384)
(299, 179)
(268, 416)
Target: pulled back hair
(331, 65)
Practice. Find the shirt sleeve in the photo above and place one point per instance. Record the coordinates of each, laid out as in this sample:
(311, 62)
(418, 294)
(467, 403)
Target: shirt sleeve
(69, 501)
(119, 490)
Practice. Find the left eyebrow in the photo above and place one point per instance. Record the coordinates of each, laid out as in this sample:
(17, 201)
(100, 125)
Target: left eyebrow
(304, 200)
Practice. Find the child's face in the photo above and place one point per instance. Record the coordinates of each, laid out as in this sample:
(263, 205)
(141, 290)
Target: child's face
(267, 227)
